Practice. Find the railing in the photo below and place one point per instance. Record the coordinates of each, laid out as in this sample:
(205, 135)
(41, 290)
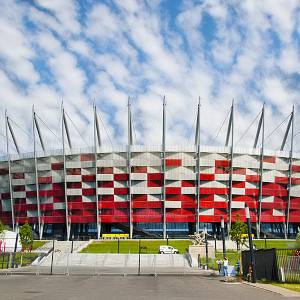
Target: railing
(288, 264)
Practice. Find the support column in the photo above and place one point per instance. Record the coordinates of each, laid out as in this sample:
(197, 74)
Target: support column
(96, 132)
(164, 168)
(9, 173)
(129, 168)
(197, 143)
(36, 172)
(65, 173)
(230, 128)
(290, 177)
(261, 123)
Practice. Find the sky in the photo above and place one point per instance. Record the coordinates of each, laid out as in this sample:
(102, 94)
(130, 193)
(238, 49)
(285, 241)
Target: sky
(78, 52)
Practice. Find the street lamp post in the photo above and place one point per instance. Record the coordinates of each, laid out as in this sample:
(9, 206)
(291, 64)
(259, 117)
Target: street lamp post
(250, 244)
(223, 237)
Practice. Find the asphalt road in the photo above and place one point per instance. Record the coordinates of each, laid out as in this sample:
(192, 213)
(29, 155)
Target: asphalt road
(58, 287)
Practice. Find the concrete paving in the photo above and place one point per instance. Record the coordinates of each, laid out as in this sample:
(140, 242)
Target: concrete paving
(16, 287)
(274, 289)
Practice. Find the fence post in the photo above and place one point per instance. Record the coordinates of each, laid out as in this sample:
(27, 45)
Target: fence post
(38, 265)
(51, 273)
(67, 271)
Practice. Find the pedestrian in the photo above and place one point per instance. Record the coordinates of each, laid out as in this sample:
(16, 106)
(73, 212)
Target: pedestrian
(249, 275)
(219, 262)
(238, 265)
(225, 264)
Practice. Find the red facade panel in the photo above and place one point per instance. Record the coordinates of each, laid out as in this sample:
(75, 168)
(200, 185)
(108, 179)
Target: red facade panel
(57, 166)
(142, 169)
(222, 163)
(44, 180)
(121, 191)
(252, 178)
(270, 159)
(88, 192)
(89, 177)
(121, 177)
(295, 168)
(173, 162)
(188, 183)
(173, 190)
(155, 176)
(207, 177)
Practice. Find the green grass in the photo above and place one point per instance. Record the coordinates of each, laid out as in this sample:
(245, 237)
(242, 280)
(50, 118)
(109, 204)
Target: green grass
(37, 244)
(27, 259)
(291, 286)
(127, 246)
(279, 244)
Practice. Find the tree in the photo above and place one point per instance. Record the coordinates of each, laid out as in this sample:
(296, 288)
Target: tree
(298, 240)
(238, 232)
(25, 235)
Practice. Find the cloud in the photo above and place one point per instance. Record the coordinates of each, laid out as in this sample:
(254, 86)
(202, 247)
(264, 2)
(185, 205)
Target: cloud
(76, 52)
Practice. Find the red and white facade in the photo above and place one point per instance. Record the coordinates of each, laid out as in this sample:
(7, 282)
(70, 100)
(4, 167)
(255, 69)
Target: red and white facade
(72, 198)
(136, 185)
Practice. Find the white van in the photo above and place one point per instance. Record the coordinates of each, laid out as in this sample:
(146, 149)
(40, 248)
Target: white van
(167, 250)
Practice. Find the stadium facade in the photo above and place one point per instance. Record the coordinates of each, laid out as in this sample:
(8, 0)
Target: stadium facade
(148, 190)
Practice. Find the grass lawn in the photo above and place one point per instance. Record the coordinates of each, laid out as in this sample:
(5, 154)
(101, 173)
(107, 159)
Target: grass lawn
(291, 286)
(37, 244)
(126, 246)
(27, 259)
(279, 244)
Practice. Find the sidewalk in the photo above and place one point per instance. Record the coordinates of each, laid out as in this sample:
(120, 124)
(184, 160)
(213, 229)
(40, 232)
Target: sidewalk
(274, 289)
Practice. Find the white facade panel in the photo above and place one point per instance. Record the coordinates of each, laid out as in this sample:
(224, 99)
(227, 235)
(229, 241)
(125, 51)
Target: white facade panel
(73, 178)
(74, 192)
(105, 177)
(222, 177)
(19, 194)
(89, 199)
(238, 204)
(138, 176)
(6, 205)
(155, 190)
(238, 191)
(105, 191)
(268, 199)
(188, 190)
(73, 164)
(206, 211)
(173, 204)
(138, 190)
(220, 198)
(279, 212)
(139, 183)
(120, 198)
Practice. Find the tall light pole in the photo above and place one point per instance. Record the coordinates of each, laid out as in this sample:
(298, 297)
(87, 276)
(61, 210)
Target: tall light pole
(223, 236)
(250, 244)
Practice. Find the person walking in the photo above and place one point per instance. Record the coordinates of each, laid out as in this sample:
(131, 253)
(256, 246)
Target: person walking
(219, 262)
(225, 264)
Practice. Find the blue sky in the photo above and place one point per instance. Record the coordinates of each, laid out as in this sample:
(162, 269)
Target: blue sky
(77, 51)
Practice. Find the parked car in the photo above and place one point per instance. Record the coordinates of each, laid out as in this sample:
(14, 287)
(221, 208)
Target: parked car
(167, 250)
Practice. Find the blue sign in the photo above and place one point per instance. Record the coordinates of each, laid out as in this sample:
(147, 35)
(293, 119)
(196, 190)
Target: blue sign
(230, 269)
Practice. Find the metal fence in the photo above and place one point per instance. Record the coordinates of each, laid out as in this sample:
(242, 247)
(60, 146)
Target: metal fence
(97, 264)
(281, 265)
(288, 264)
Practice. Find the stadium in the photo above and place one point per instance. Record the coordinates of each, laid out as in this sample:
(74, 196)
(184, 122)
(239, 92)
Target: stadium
(150, 191)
